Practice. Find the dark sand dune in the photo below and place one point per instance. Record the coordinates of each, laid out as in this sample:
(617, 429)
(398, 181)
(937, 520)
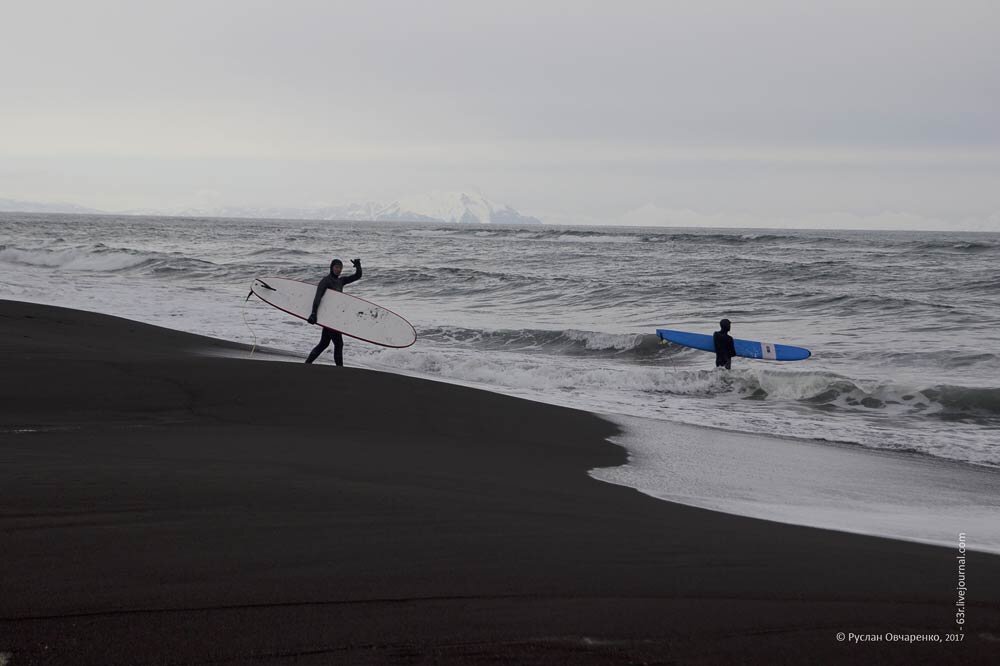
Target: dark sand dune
(163, 505)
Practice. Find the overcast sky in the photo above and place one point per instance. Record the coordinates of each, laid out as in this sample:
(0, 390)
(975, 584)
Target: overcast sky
(572, 110)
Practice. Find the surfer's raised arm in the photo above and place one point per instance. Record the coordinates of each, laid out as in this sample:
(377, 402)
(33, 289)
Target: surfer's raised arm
(357, 272)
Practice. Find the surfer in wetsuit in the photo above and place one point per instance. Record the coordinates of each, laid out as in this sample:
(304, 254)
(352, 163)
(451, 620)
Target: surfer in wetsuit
(725, 347)
(335, 282)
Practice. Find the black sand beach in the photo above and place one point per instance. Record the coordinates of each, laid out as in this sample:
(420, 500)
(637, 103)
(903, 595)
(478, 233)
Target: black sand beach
(161, 504)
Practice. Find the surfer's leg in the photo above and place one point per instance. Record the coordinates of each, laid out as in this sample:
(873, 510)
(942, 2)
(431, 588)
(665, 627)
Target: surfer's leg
(338, 348)
(324, 342)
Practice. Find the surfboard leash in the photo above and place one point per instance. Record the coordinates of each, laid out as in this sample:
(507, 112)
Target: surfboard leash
(670, 357)
(243, 310)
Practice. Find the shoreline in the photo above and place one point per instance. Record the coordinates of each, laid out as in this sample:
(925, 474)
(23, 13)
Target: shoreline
(848, 488)
(208, 508)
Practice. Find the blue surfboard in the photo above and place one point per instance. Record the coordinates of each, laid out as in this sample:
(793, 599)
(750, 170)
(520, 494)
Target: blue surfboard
(768, 351)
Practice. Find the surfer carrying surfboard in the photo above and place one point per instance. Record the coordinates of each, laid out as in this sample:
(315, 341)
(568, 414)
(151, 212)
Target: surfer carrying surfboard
(335, 282)
(725, 347)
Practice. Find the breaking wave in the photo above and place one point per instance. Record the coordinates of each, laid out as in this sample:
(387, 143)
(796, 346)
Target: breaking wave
(814, 390)
(90, 258)
(99, 258)
(566, 342)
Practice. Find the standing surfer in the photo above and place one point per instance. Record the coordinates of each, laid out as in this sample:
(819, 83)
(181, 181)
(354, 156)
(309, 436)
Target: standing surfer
(725, 347)
(335, 282)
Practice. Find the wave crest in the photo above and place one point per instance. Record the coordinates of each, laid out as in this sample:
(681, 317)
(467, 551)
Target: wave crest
(567, 342)
(99, 258)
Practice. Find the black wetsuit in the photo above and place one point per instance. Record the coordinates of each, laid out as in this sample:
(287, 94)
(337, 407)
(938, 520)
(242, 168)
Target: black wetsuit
(725, 349)
(336, 283)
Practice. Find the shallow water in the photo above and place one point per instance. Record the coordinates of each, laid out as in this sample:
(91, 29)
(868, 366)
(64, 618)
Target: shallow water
(840, 487)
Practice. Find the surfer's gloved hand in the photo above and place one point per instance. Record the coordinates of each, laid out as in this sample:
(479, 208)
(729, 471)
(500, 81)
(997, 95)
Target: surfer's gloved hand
(356, 263)
(312, 318)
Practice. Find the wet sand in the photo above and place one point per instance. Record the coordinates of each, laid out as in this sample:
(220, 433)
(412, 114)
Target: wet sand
(162, 503)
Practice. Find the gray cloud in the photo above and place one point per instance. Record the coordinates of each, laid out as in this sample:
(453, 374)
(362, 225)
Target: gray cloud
(586, 109)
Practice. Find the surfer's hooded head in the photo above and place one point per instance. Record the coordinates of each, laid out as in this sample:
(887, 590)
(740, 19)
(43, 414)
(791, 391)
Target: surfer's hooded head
(336, 266)
(724, 325)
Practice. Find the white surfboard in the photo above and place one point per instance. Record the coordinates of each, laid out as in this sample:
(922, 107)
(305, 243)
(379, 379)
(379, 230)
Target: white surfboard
(348, 314)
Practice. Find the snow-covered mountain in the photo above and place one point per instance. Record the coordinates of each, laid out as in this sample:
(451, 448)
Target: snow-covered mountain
(433, 207)
(457, 207)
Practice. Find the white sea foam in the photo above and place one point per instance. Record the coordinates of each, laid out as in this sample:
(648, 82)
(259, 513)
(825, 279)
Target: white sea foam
(728, 400)
(596, 340)
(848, 489)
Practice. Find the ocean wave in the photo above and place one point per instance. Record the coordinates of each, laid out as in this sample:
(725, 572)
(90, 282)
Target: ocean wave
(953, 246)
(831, 391)
(550, 235)
(278, 253)
(743, 238)
(947, 359)
(734, 238)
(448, 282)
(92, 258)
(775, 239)
(595, 238)
(965, 402)
(498, 287)
(793, 272)
(881, 303)
(816, 391)
(432, 233)
(567, 342)
(562, 235)
(99, 258)
(990, 285)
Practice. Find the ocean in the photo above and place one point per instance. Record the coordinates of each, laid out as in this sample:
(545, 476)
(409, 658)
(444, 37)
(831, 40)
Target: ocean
(904, 326)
